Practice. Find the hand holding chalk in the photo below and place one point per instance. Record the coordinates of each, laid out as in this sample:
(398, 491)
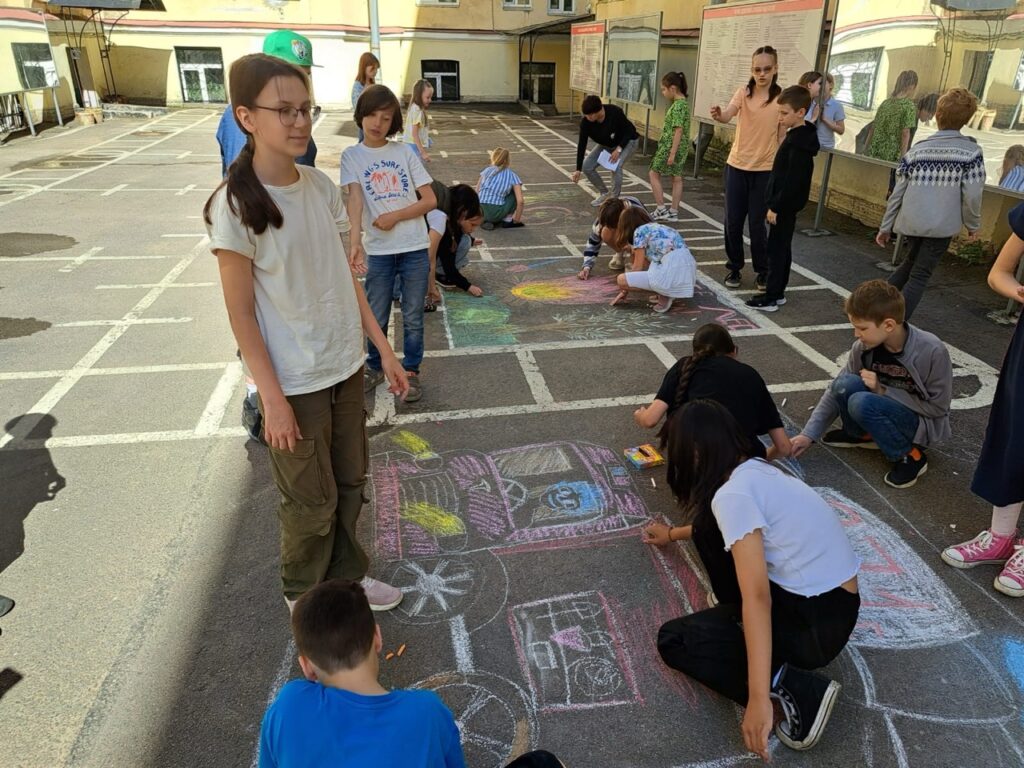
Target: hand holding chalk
(757, 724)
(657, 534)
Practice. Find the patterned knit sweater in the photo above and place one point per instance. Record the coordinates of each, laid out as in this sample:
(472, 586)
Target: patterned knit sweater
(938, 189)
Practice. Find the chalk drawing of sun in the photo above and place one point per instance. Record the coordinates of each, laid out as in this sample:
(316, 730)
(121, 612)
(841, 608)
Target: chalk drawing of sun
(567, 290)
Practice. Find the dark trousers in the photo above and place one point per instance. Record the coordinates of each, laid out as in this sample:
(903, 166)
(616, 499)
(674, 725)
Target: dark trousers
(536, 759)
(912, 275)
(744, 202)
(718, 564)
(780, 254)
(807, 632)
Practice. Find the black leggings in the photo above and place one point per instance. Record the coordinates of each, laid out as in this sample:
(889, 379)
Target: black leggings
(537, 759)
(807, 632)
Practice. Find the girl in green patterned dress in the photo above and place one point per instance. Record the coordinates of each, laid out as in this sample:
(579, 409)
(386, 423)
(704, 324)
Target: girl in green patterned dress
(672, 146)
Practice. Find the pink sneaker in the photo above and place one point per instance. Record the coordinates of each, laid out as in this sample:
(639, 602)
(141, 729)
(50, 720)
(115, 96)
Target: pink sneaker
(984, 549)
(1011, 580)
(381, 596)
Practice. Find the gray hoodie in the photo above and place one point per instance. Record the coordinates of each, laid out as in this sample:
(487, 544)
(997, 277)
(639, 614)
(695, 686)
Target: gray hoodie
(939, 183)
(927, 361)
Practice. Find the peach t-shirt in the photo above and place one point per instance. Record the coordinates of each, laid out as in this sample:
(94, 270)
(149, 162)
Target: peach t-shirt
(757, 133)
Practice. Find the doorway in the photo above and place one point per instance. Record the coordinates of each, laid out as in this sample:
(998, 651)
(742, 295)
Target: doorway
(443, 74)
(537, 82)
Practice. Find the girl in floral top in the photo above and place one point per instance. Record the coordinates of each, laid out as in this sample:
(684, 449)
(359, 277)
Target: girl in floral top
(672, 146)
(894, 120)
(662, 264)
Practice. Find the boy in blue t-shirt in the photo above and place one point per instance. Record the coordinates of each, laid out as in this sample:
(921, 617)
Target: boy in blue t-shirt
(341, 714)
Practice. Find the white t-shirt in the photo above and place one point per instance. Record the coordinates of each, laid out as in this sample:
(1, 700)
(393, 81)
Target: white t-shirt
(305, 299)
(437, 220)
(805, 547)
(416, 116)
(388, 177)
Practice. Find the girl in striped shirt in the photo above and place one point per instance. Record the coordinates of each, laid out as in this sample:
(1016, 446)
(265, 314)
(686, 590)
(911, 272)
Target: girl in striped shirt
(501, 192)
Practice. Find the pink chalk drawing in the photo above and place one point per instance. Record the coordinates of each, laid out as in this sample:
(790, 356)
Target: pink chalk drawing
(570, 650)
(509, 498)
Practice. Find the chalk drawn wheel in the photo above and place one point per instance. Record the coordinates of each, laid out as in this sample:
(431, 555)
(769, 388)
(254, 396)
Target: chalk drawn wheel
(545, 215)
(494, 715)
(437, 589)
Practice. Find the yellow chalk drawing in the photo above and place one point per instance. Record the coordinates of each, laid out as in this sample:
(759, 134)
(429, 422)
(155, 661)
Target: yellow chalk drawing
(414, 444)
(433, 519)
(540, 291)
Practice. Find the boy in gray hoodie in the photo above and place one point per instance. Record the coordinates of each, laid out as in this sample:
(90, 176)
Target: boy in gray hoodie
(939, 183)
(895, 392)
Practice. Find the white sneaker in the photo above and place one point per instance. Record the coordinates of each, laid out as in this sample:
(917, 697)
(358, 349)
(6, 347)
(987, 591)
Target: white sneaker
(616, 262)
(596, 202)
(290, 604)
(671, 215)
(381, 596)
(659, 213)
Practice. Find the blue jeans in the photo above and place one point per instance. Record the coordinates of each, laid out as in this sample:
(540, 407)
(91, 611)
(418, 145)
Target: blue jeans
(891, 425)
(413, 268)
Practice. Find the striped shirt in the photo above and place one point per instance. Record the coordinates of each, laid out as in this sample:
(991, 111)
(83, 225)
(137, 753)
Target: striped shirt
(496, 183)
(1014, 180)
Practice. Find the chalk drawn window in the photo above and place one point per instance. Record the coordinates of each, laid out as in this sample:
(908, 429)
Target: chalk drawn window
(856, 74)
(528, 462)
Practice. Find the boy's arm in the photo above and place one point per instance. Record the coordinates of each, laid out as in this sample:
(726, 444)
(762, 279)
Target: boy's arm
(581, 144)
(972, 188)
(423, 206)
(356, 255)
(892, 208)
(938, 386)
(827, 409)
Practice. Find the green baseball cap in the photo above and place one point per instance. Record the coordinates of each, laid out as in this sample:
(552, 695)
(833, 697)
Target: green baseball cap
(289, 46)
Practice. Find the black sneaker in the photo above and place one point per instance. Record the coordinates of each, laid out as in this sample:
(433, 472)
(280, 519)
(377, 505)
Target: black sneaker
(488, 225)
(807, 700)
(840, 438)
(512, 224)
(252, 420)
(732, 280)
(904, 473)
(444, 282)
(763, 303)
(761, 284)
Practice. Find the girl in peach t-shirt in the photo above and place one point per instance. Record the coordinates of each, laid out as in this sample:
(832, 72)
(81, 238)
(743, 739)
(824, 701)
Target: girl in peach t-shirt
(750, 163)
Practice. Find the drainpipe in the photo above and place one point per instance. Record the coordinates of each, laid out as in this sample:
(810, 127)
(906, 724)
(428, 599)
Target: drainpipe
(374, 29)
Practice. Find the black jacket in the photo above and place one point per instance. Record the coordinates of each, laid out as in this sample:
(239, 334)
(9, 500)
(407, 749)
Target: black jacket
(790, 182)
(616, 130)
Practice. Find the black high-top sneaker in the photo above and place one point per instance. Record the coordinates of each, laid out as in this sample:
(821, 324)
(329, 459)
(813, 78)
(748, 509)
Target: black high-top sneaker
(807, 700)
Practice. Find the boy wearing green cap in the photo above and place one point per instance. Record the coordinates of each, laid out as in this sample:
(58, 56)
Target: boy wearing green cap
(295, 49)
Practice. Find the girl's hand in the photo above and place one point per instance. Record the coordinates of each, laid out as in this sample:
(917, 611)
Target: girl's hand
(757, 724)
(424, 156)
(800, 443)
(477, 242)
(280, 429)
(386, 221)
(882, 238)
(771, 217)
(357, 259)
(623, 295)
(584, 273)
(672, 158)
(475, 290)
(716, 113)
(398, 381)
(656, 534)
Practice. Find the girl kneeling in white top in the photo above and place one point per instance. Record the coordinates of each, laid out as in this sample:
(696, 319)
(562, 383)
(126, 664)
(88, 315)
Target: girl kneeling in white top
(662, 263)
(797, 574)
(299, 316)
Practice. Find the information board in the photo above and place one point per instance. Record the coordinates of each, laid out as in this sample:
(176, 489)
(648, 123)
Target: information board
(730, 33)
(586, 56)
(632, 60)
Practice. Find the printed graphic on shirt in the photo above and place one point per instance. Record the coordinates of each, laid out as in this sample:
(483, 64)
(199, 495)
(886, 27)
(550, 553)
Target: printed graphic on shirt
(892, 373)
(386, 180)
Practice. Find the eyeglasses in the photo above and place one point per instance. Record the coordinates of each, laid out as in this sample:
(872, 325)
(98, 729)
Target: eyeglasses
(289, 115)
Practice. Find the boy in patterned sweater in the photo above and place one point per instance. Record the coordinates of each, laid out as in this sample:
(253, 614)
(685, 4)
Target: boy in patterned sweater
(939, 184)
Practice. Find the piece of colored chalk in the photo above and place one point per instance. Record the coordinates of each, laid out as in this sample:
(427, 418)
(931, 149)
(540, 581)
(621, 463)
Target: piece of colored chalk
(401, 649)
(389, 657)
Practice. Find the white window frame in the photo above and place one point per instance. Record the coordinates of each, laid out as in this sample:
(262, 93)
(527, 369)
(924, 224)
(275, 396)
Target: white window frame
(439, 3)
(562, 10)
(517, 5)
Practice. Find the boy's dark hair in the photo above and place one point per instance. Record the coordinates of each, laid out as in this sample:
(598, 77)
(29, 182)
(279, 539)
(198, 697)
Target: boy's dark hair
(377, 97)
(955, 108)
(591, 105)
(710, 340)
(705, 444)
(928, 103)
(876, 301)
(677, 79)
(775, 89)
(246, 196)
(797, 97)
(631, 219)
(333, 625)
(463, 203)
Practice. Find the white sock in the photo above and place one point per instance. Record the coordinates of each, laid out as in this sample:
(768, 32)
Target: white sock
(1004, 519)
(507, 218)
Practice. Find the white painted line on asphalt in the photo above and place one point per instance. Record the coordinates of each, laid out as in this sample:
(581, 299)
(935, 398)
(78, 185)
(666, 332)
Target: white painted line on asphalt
(112, 190)
(534, 378)
(185, 190)
(384, 401)
(152, 285)
(128, 370)
(284, 670)
(16, 259)
(570, 246)
(444, 320)
(789, 288)
(125, 323)
(56, 393)
(518, 410)
(185, 234)
(183, 155)
(462, 645)
(661, 352)
(80, 260)
(485, 252)
(219, 400)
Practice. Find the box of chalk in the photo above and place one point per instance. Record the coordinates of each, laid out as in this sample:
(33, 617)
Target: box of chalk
(644, 456)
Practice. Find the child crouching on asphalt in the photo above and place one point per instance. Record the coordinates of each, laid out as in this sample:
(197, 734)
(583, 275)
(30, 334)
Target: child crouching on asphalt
(603, 232)
(662, 263)
(894, 394)
(501, 192)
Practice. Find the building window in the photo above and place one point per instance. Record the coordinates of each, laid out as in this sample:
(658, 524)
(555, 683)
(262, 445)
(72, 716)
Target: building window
(447, 3)
(537, 82)
(855, 73)
(201, 71)
(561, 6)
(35, 65)
(517, 5)
(444, 76)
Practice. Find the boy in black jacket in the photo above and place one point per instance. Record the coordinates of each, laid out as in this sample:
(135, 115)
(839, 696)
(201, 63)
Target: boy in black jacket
(788, 188)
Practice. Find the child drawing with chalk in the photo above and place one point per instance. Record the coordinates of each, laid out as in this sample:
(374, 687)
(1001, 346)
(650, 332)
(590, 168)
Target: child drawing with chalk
(672, 147)
(299, 316)
(797, 601)
(450, 228)
(662, 264)
(998, 478)
(501, 192)
(603, 232)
